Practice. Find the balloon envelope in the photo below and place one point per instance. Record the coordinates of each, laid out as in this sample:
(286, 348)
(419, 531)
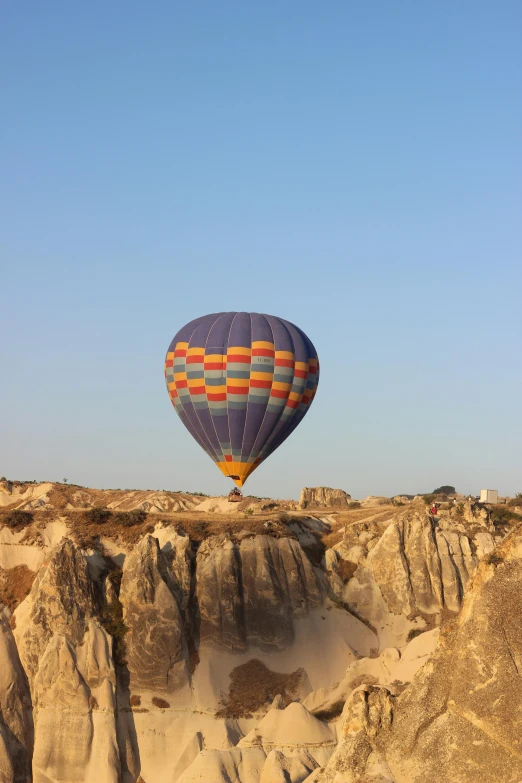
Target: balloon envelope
(241, 383)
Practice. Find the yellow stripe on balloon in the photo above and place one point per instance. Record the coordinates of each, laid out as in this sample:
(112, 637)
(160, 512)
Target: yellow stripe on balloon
(241, 382)
(263, 344)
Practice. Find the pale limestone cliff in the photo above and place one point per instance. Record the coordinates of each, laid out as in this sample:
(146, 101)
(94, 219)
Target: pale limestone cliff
(156, 649)
(67, 656)
(419, 566)
(323, 497)
(249, 593)
(124, 673)
(16, 720)
(414, 570)
(460, 720)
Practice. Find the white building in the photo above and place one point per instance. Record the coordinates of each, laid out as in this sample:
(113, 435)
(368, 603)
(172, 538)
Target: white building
(489, 496)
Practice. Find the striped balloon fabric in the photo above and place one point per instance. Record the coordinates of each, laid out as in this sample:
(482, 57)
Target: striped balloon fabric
(241, 383)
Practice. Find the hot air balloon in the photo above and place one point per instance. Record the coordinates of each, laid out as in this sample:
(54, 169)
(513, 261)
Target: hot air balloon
(241, 383)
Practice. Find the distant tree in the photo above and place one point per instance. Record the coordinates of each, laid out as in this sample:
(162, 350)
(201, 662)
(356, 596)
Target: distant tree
(446, 489)
(65, 481)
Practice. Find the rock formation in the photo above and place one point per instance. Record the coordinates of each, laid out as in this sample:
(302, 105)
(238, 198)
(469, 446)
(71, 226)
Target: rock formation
(249, 592)
(67, 656)
(156, 649)
(279, 768)
(16, 720)
(414, 569)
(460, 719)
(394, 656)
(323, 497)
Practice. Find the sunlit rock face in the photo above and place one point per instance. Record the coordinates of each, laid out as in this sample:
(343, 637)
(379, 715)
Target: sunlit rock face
(67, 657)
(380, 645)
(412, 571)
(261, 584)
(156, 649)
(16, 720)
(323, 497)
(419, 566)
(460, 719)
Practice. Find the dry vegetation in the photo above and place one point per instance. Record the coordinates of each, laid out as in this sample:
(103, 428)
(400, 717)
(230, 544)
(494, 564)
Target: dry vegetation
(253, 686)
(86, 526)
(16, 519)
(87, 531)
(346, 569)
(15, 585)
(161, 703)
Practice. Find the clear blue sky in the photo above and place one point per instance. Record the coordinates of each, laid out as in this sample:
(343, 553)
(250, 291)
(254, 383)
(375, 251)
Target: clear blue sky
(352, 167)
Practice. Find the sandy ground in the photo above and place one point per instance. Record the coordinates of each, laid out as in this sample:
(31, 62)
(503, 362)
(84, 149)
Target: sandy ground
(325, 642)
(12, 555)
